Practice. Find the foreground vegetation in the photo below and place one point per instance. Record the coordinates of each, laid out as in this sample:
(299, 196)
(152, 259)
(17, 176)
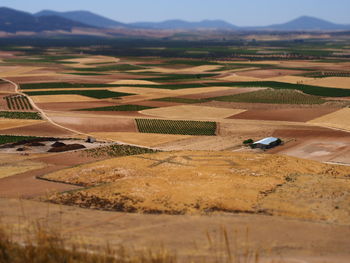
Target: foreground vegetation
(43, 246)
(176, 127)
(20, 115)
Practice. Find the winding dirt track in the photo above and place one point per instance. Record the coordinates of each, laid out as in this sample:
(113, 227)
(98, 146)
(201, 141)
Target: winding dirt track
(43, 114)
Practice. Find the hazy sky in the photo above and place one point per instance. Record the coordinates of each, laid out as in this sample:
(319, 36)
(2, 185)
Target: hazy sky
(239, 12)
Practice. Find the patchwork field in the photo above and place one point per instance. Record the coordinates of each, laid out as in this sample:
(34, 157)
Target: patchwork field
(157, 127)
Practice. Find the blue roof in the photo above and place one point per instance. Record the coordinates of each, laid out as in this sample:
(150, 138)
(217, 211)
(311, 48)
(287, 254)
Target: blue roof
(267, 141)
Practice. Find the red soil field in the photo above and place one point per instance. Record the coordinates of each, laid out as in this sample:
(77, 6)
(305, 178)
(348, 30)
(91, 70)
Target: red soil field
(157, 104)
(293, 114)
(41, 129)
(69, 106)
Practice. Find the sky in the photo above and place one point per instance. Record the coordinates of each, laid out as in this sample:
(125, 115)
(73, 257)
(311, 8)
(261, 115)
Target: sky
(238, 12)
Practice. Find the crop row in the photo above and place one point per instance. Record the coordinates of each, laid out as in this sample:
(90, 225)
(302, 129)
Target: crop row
(176, 127)
(20, 115)
(18, 102)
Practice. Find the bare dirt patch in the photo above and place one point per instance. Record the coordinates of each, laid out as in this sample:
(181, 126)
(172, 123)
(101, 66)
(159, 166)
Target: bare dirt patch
(40, 129)
(68, 106)
(92, 124)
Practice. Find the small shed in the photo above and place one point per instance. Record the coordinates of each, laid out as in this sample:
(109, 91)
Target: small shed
(266, 143)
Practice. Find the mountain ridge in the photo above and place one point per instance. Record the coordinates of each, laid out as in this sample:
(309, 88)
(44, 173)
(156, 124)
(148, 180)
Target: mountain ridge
(12, 20)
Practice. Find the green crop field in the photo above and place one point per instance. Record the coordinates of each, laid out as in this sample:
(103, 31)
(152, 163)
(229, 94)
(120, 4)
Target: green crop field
(97, 94)
(273, 97)
(20, 115)
(176, 127)
(11, 138)
(120, 108)
(18, 102)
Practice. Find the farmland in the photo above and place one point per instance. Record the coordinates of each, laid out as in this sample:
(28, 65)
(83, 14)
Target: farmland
(176, 127)
(154, 128)
(20, 115)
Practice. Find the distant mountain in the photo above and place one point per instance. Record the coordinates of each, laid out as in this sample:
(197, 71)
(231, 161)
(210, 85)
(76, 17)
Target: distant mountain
(84, 17)
(13, 21)
(307, 23)
(180, 24)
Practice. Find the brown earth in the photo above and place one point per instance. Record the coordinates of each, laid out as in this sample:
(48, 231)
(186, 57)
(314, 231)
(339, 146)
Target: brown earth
(157, 104)
(41, 129)
(92, 124)
(25, 185)
(67, 106)
(294, 114)
(189, 237)
(269, 73)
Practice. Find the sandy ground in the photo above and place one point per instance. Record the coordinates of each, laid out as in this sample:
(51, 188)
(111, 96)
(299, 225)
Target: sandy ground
(12, 123)
(187, 236)
(339, 119)
(292, 114)
(144, 139)
(189, 112)
(61, 98)
(192, 182)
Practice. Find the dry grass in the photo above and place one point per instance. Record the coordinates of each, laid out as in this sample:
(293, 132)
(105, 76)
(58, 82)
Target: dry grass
(61, 98)
(189, 112)
(339, 119)
(201, 182)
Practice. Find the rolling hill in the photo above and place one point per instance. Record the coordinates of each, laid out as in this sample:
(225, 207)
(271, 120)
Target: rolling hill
(13, 21)
(84, 17)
